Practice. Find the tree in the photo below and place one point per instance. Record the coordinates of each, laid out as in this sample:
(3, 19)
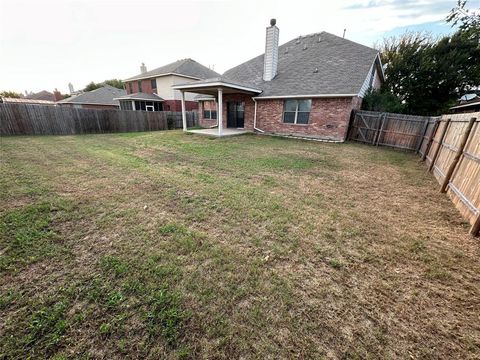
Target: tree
(382, 100)
(115, 83)
(112, 82)
(92, 86)
(467, 20)
(10, 94)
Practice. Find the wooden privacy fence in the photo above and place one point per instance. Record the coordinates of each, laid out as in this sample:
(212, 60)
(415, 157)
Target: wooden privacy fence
(27, 119)
(452, 152)
(387, 129)
(449, 144)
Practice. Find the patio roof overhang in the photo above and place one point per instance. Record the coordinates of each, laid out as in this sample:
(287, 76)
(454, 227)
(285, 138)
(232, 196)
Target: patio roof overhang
(211, 87)
(216, 87)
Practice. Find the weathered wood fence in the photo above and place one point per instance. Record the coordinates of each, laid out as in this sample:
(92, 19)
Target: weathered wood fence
(450, 146)
(387, 129)
(452, 152)
(26, 119)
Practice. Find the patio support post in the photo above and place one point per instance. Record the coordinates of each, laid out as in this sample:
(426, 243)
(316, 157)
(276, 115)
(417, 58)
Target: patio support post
(184, 114)
(220, 112)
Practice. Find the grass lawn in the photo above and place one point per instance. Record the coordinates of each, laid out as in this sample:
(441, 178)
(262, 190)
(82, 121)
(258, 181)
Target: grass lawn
(165, 245)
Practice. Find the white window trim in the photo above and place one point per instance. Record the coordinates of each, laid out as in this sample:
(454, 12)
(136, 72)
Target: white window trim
(149, 106)
(296, 112)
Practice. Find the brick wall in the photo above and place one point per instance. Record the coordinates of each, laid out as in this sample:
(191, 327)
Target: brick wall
(249, 108)
(206, 105)
(176, 105)
(146, 86)
(329, 118)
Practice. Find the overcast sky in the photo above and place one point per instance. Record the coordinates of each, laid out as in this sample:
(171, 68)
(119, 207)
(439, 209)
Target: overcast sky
(45, 44)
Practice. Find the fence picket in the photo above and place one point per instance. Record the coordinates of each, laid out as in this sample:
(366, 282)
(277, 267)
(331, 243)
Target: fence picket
(26, 119)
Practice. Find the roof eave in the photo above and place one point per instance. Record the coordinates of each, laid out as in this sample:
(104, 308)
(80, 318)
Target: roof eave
(304, 96)
(195, 86)
(160, 75)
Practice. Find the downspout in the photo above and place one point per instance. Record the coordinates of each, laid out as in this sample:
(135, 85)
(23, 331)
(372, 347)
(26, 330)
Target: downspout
(255, 117)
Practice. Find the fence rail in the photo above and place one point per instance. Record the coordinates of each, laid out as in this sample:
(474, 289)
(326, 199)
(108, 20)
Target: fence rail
(27, 119)
(449, 145)
(454, 158)
(399, 131)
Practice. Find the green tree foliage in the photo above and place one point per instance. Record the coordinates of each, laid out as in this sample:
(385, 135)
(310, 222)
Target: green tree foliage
(10, 94)
(428, 75)
(467, 20)
(112, 82)
(381, 100)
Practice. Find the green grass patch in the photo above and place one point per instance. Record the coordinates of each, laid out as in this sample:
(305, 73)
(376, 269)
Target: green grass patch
(27, 234)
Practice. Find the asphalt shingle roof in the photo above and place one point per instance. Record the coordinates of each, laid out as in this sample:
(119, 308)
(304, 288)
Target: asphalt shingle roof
(42, 95)
(186, 67)
(315, 64)
(103, 95)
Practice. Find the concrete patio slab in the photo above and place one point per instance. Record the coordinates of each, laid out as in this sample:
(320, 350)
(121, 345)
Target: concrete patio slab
(214, 132)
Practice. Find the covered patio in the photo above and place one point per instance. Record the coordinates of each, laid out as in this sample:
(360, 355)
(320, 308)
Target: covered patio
(217, 88)
(215, 133)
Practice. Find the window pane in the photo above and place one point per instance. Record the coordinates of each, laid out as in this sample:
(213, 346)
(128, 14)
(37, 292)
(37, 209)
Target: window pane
(289, 117)
(304, 105)
(302, 117)
(206, 114)
(290, 105)
(214, 114)
(154, 83)
(139, 83)
(143, 105)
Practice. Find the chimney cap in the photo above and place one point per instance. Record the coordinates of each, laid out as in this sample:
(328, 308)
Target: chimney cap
(273, 22)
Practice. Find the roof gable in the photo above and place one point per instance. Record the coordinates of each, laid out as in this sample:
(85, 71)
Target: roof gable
(186, 67)
(104, 96)
(316, 64)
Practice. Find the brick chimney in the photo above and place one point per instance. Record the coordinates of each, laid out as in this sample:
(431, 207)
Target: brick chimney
(143, 68)
(270, 59)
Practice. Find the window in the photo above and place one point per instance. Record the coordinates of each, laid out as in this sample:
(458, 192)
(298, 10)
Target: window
(296, 111)
(139, 83)
(148, 105)
(130, 88)
(126, 105)
(153, 82)
(210, 114)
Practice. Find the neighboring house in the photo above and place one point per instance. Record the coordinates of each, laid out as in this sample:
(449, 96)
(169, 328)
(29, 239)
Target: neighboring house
(101, 98)
(7, 100)
(467, 103)
(45, 95)
(307, 87)
(153, 89)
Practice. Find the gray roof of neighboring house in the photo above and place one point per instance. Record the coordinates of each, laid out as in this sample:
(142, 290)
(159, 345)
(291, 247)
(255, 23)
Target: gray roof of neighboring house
(42, 95)
(101, 96)
(187, 67)
(141, 96)
(314, 64)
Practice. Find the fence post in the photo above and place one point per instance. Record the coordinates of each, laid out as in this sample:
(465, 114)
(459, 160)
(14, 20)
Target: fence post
(437, 150)
(475, 229)
(430, 138)
(422, 136)
(383, 118)
(458, 155)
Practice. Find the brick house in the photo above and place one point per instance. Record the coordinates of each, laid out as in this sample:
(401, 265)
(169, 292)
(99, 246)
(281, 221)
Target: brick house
(103, 98)
(152, 90)
(307, 87)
